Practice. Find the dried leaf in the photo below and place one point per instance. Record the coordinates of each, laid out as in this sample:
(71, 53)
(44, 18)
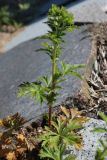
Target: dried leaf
(11, 156)
(65, 111)
(20, 150)
(78, 146)
(75, 113)
(20, 137)
(1, 122)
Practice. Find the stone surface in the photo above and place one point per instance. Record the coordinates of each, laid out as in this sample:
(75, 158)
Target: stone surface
(90, 140)
(89, 11)
(24, 64)
(85, 11)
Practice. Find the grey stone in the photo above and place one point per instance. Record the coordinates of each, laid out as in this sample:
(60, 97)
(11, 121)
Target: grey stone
(24, 64)
(90, 140)
(93, 11)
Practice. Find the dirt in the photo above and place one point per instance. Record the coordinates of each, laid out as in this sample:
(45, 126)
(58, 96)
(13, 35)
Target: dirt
(7, 36)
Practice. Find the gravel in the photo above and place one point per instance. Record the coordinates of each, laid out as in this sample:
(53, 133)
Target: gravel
(90, 140)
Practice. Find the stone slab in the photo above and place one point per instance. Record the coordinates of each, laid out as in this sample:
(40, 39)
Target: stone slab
(91, 11)
(85, 11)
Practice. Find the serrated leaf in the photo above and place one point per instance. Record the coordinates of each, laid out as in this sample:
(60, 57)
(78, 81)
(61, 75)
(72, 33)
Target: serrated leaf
(70, 157)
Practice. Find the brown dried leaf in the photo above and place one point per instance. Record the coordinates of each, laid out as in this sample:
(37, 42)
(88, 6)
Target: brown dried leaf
(75, 113)
(78, 146)
(29, 144)
(11, 156)
(1, 123)
(65, 111)
(21, 137)
(20, 150)
(8, 141)
(63, 118)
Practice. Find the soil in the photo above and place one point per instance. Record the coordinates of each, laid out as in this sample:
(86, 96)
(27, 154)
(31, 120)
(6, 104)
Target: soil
(7, 36)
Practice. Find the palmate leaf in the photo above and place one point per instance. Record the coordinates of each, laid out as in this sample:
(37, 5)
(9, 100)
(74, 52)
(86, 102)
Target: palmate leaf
(34, 89)
(55, 153)
(61, 131)
(68, 69)
(71, 139)
(46, 81)
(46, 153)
(74, 124)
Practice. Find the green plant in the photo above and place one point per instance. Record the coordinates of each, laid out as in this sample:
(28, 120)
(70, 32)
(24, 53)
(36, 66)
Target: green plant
(47, 88)
(5, 17)
(24, 6)
(63, 132)
(101, 153)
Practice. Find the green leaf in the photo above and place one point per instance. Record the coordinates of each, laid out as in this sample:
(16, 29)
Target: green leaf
(77, 75)
(100, 130)
(70, 157)
(24, 6)
(34, 89)
(103, 116)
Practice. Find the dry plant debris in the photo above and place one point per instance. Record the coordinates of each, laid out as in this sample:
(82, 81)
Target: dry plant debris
(98, 79)
(15, 139)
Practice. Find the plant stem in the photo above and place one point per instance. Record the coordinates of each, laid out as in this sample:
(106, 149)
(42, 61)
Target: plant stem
(50, 115)
(53, 83)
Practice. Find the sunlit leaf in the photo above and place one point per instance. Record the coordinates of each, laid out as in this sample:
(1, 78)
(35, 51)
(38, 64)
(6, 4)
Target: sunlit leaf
(65, 111)
(103, 116)
(11, 156)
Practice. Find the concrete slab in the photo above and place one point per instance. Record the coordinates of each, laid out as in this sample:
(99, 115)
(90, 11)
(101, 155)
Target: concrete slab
(24, 64)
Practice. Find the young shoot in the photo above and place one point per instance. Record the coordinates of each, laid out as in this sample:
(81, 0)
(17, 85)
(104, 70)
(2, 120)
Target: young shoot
(46, 89)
